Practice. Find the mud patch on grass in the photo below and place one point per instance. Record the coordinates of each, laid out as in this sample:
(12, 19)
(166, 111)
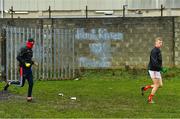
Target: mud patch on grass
(7, 95)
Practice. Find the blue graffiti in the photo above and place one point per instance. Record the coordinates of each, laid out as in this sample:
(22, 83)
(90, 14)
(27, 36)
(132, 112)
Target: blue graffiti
(85, 62)
(101, 52)
(98, 34)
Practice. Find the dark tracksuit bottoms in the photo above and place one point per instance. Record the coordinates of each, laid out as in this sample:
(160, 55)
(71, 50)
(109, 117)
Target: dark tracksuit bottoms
(26, 74)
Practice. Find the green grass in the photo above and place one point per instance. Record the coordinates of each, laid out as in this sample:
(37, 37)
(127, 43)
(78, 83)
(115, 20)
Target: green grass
(100, 94)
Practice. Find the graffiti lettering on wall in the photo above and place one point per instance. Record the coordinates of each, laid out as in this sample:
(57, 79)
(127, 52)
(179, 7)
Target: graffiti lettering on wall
(100, 50)
(101, 53)
(98, 34)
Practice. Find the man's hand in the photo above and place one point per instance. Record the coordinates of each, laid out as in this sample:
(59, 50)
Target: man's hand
(35, 63)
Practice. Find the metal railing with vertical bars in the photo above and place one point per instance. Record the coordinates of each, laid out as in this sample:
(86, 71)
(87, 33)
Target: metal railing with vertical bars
(54, 51)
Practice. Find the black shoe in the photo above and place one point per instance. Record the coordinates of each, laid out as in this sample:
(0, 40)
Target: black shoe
(142, 91)
(6, 87)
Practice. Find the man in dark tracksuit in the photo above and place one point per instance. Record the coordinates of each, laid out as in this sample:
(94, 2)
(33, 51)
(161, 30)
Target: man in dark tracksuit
(154, 68)
(25, 61)
(155, 63)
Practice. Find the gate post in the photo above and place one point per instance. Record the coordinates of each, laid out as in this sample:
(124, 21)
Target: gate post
(3, 53)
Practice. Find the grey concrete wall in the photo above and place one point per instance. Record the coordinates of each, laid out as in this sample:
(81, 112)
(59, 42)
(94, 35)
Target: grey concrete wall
(177, 41)
(115, 42)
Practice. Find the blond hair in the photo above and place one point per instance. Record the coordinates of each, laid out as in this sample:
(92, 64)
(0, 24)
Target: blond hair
(158, 39)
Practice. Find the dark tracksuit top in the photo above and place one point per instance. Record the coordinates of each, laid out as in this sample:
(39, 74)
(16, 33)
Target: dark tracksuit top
(155, 63)
(25, 56)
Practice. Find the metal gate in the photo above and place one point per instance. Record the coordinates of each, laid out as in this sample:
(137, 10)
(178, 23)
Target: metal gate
(54, 51)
